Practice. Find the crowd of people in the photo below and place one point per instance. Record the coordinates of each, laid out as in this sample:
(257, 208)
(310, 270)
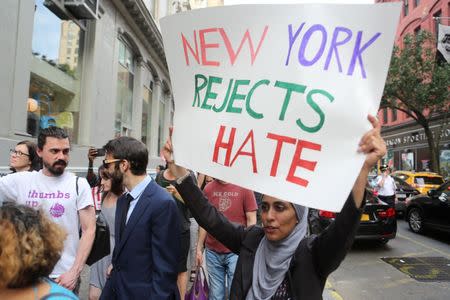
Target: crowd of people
(48, 223)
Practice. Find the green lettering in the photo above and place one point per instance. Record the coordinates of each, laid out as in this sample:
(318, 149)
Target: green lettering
(316, 108)
(209, 94)
(290, 87)
(224, 103)
(236, 96)
(198, 88)
(250, 111)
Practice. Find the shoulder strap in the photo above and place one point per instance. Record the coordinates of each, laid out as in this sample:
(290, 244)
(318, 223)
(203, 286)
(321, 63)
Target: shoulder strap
(76, 183)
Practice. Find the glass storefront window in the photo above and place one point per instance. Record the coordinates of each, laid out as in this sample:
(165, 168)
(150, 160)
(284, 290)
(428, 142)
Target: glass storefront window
(146, 115)
(54, 91)
(162, 110)
(125, 81)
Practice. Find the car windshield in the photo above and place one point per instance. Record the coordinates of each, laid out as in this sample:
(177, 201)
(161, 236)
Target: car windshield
(421, 180)
(401, 184)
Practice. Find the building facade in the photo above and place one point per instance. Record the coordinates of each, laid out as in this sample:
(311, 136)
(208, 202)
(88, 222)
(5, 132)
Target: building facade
(406, 140)
(97, 78)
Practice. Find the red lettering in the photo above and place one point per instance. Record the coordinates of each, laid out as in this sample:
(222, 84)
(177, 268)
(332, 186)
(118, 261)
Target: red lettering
(276, 157)
(186, 45)
(297, 162)
(233, 55)
(227, 145)
(252, 154)
(204, 46)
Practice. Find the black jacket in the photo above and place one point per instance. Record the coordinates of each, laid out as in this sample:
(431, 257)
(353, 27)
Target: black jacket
(315, 258)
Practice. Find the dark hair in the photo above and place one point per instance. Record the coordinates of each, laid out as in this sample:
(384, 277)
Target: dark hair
(30, 245)
(35, 160)
(51, 131)
(130, 149)
(117, 187)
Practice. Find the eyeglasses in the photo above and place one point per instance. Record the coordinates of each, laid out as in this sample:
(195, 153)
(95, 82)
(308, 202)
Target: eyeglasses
(106, 162)
(17, 153)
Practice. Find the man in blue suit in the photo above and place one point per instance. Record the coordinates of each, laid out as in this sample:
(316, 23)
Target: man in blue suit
(147, 230)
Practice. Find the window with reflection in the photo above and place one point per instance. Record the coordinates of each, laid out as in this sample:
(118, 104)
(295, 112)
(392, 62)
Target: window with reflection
(146, 114)
(385, 115)
(125, 81)
(394, 115)
(162, 110)
(55, 73)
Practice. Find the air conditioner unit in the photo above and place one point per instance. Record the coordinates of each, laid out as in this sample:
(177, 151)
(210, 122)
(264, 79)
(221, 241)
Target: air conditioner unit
(57, 7)
(83, 9)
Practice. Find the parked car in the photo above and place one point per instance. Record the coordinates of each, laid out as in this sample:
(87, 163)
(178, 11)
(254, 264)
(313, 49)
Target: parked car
(430, 211)
(378, 221)
(422, 181)
(402, 192)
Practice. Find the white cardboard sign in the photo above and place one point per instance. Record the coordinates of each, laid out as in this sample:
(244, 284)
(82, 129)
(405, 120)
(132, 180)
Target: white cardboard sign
(275, 98)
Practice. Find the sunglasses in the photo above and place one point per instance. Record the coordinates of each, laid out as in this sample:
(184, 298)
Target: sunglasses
(106, 162)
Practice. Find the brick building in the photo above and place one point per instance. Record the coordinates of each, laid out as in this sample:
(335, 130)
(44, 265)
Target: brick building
(406, 140)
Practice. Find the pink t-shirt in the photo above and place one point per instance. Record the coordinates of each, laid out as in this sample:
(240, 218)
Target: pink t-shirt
(233, 202)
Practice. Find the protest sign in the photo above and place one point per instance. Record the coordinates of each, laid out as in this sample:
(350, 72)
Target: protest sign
(275, 98)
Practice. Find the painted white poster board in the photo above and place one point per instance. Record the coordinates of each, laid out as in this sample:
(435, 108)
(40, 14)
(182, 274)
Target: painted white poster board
(275, 98)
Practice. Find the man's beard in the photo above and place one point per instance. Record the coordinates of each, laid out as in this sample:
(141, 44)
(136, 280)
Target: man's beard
(57, 168)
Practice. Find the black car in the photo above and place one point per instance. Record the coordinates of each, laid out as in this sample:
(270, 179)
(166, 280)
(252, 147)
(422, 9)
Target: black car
(402, 192)
(431, 210)
(378, 220)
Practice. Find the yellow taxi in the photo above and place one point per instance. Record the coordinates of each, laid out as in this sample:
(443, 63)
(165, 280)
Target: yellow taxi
(422, 181)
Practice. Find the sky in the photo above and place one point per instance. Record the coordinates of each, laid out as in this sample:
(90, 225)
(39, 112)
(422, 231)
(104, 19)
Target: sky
(46, 32)
(47, 27)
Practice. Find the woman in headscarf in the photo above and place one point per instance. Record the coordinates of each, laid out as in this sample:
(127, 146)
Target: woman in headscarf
(277, 261)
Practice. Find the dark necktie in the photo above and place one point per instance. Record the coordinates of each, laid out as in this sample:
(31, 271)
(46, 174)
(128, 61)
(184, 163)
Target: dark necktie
(128, 199)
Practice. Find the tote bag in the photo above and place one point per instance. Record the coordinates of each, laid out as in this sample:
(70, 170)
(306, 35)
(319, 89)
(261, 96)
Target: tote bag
(199, 289)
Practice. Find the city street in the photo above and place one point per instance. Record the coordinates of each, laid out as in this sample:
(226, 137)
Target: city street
(364, 275)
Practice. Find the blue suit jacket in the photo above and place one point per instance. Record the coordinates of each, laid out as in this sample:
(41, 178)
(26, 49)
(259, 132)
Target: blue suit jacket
(145, 260)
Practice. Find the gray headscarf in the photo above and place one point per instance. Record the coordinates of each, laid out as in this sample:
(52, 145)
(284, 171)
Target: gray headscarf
(272, 259)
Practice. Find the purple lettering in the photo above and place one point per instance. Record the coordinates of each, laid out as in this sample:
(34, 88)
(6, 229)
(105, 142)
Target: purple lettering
(335, 43)
(60, 195)
(301, 53)
(357, 51)
(292, 39)
(67, 195)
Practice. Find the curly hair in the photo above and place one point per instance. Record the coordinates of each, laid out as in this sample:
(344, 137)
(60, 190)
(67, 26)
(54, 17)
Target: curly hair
(30, 245)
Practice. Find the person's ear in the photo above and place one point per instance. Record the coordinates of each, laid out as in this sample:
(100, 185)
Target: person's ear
(126, 165)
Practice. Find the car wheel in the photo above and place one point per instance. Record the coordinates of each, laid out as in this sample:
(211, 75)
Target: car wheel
(415, 220)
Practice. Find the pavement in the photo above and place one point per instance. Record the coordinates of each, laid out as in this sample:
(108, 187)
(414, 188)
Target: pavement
(329, 292)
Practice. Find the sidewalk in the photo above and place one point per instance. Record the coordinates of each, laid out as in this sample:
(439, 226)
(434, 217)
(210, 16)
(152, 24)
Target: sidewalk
(329, 293)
